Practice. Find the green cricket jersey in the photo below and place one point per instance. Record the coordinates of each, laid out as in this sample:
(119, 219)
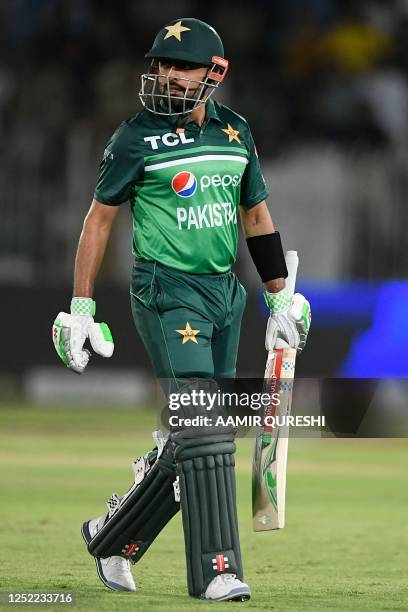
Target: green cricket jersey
(184, 186)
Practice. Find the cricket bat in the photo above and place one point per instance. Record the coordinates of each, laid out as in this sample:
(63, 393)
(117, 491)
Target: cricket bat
(271, 443)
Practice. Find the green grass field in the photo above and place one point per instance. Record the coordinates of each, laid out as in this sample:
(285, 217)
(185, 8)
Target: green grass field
(345, 545)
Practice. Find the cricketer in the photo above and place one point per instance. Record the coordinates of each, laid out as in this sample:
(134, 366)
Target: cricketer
(187, 165)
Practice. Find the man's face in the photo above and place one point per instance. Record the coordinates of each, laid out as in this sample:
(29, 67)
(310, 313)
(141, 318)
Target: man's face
(178, 74)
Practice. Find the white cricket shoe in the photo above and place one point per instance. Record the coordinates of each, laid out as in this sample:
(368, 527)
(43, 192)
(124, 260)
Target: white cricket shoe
(226, 587)
(113, 571)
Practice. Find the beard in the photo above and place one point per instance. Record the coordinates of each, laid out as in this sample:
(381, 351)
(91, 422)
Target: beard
(178, 103)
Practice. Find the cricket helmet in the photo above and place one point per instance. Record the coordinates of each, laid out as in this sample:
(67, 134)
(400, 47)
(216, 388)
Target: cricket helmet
(187, 42)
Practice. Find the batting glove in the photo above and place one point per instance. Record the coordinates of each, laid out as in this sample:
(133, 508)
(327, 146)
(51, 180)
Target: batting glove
(70, 331)
(289, 320)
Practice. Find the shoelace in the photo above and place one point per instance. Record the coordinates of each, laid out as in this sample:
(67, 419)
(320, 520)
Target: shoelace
(122, 563)
(227, 578)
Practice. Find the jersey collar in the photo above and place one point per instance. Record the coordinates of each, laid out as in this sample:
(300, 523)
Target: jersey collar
(211, 114)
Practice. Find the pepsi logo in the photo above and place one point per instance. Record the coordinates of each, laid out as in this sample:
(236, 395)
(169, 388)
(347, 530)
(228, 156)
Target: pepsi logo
(184, 184)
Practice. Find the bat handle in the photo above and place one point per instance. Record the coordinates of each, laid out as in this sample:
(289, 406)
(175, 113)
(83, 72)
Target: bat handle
(292, 262)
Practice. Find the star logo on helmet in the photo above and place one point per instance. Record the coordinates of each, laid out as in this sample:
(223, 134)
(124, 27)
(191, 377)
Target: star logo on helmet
(232, 134)
(175, 30)
(188, 333)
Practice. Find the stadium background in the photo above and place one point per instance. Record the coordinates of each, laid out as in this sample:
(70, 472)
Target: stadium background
(324, 85)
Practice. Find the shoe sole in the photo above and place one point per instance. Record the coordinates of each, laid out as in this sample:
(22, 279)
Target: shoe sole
(113, 586)
(238, 595)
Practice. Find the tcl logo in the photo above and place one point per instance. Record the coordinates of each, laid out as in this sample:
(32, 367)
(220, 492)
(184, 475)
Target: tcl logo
(169, 140)
(217, 180)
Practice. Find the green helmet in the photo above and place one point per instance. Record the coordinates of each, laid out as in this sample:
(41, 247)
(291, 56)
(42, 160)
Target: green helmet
(190, 43)
(189, 40)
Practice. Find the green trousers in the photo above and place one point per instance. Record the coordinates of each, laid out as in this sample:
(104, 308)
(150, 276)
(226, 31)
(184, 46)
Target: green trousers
(189, 323)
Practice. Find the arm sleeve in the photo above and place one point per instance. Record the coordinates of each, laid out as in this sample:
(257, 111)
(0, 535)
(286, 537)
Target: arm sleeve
(253, 186)
(119, 169)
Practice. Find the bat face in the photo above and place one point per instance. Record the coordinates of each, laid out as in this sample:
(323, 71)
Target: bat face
(271, 446)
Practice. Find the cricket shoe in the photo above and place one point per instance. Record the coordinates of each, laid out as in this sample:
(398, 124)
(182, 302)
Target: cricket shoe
(113, 571)
(227, 587)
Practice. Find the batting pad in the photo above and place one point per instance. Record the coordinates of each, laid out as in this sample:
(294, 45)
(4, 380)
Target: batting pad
(136, 519)
(205, 465)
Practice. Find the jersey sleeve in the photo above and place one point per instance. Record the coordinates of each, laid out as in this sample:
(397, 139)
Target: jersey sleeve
(253, 185)
(120, 168)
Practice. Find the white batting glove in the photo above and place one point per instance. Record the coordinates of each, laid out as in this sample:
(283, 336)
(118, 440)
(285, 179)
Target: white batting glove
(289, 321)
(70, 331)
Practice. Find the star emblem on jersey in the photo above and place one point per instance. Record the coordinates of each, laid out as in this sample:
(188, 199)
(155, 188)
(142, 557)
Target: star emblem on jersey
(188, 333)
(232, 134)
(175, 30)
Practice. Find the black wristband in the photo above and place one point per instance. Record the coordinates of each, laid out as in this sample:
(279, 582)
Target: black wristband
(267, 254)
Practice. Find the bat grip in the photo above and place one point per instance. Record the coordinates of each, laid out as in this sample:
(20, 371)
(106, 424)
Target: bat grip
(292, 262)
